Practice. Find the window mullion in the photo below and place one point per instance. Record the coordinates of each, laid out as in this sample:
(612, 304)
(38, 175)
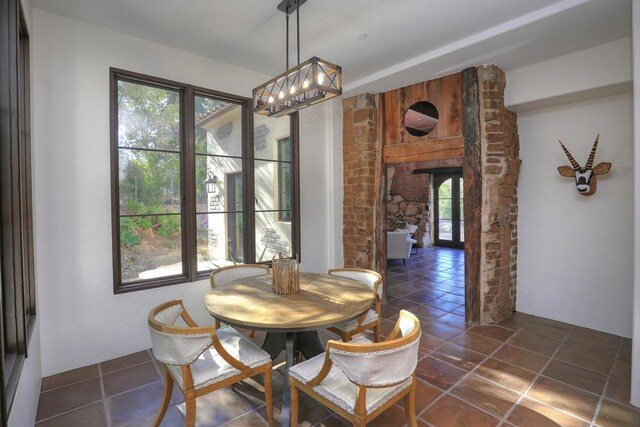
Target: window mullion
(295, 178)
(249, 186)
(189, 190)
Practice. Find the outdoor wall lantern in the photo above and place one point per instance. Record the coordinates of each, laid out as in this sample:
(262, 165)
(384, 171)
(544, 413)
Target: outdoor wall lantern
(313, 81)
(211, 182)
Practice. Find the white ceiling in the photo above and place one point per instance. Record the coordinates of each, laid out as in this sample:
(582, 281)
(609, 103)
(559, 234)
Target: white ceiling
(407, 41)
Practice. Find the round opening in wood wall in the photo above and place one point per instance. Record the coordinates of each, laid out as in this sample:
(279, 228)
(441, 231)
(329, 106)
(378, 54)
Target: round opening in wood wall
(421, 118)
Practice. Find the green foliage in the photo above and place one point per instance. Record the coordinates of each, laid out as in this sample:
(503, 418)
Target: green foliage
(144, 222)
(167, 225)
(169, 244)
(128, 238)
(204, 254)
(444, 209)
(156, 209)
(126, 224)
(444, 191)
(135, 207)
(262, 254)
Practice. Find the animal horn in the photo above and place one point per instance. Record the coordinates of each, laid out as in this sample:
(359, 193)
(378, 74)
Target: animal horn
(575, 164)
(592, 155)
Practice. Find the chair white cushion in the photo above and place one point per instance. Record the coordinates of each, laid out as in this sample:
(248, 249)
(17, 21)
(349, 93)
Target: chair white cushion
(211, 368)
(398, 245)
(372, 316)
(337, 388)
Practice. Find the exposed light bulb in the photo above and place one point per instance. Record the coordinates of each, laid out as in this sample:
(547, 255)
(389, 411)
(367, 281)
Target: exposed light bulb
(270, 100)
(320, 78)
(305, 83)
(281, 94)
(293, 89)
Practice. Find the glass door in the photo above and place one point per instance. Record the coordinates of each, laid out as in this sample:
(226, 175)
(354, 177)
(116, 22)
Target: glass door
(449, 210)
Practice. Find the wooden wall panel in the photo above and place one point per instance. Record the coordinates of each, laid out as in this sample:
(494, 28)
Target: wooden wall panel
(444, 142)
(472, 196)
(434, 149)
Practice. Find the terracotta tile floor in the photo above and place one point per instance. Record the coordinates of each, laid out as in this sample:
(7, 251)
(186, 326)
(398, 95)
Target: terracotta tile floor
(528, 371)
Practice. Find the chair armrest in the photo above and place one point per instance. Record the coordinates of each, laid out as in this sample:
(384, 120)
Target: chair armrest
(326, 366)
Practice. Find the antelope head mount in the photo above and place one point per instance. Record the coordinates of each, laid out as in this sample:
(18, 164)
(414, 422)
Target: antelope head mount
(585, 177)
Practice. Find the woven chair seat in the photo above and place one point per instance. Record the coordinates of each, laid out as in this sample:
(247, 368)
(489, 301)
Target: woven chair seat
(371, 317)
(211, 368)
(337, 388)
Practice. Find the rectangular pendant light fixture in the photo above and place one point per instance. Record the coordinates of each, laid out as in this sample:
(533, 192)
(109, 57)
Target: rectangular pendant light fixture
(307, 83)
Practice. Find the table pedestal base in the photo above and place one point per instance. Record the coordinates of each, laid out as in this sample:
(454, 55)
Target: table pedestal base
(307, 343)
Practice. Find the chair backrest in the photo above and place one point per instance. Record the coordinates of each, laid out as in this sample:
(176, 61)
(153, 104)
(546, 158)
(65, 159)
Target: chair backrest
(174, 345)
(385, 363)
(398, 245)
(368, 277)
(226, 274)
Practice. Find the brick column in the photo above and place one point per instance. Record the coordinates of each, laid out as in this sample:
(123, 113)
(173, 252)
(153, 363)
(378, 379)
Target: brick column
(500, 167)
(361, 157)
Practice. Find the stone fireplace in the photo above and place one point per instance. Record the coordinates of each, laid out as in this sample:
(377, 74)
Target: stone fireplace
(475, 131)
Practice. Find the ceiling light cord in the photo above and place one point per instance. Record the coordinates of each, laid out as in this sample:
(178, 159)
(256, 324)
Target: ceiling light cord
(297, 37)
(287, 49)
(298, 32)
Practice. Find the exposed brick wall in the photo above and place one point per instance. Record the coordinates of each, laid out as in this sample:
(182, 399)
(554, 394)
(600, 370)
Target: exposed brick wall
(361, 154)
(409, 185)
(500, 149)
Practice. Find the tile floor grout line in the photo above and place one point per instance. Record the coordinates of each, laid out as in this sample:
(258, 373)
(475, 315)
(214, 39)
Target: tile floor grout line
(475, 368)
(523, 394)
(467, 374)
(102, 399)
(73, 383)
(541, 374)
(105, 402)
(95, 376)
(606, 385)
(67, 412)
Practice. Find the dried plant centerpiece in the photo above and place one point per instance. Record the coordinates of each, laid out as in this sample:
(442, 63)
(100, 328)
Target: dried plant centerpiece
(284, 279)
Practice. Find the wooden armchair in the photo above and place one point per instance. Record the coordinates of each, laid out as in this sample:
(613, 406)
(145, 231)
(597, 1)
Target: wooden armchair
(232, 272)
(361, 379)
(202, 359)
(226, 274)
(371, 318)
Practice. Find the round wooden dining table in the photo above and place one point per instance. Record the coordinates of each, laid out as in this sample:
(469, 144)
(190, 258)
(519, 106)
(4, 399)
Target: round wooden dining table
(291, 320)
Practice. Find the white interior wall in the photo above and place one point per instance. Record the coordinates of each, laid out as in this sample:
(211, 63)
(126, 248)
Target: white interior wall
(575, 253)
(82, 321)
(335, 172)
(315, 195)
(596, 72)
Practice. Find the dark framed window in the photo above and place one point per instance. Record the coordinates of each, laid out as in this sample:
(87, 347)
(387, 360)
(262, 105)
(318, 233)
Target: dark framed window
(285, 196)
(193, 181)
(16, 245)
